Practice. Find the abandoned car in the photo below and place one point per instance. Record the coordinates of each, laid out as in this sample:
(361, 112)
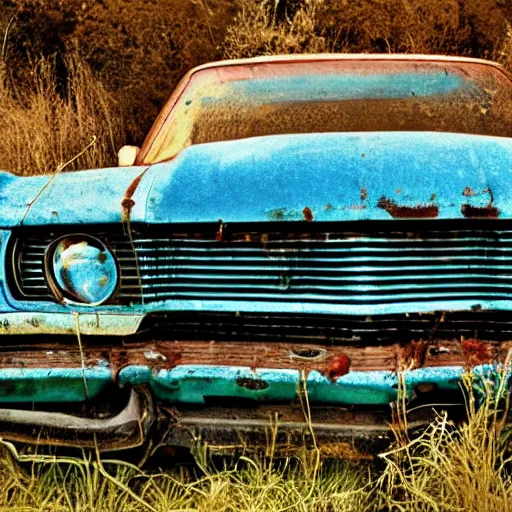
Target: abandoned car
(296, 237)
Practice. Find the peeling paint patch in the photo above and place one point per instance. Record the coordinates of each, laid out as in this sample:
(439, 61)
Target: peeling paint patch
(427, 211)
(277, 214)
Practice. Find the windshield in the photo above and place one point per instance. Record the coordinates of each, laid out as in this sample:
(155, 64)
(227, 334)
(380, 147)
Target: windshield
(240, 101)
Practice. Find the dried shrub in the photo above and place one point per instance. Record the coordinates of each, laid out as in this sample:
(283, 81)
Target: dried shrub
(43, 128)
(261, 28)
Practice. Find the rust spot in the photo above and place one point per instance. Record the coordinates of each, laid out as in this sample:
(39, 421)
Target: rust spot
(477, 352)
(328, 206)
(427, 211)
(308, 214)
(252, 383)
(127, 203)
(398, 190)
(433, 197)
(482, 212)
(412, 355)
(338, 366)
(220, 233)
(364, 194)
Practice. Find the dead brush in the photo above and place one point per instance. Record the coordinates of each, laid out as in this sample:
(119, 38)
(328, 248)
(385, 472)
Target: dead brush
(451, 467)
(256, 30)
(44, 127)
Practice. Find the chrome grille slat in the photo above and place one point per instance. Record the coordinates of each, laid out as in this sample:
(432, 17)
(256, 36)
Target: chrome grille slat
(335, 268)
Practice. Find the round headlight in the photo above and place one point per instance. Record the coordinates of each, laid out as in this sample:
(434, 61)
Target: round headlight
(81, 269)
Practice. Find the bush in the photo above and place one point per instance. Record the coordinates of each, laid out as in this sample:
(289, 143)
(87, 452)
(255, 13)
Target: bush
(136, 52)
(43, 129)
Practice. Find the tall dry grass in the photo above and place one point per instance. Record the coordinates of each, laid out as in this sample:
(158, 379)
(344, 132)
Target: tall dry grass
(46, 123)
(91, 485)
(465, 467)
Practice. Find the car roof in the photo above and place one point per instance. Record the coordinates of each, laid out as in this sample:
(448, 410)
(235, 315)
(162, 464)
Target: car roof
(315, 57)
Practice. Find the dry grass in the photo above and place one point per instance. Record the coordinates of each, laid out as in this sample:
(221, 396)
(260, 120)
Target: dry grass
(249, 485)
(447, 468)
(44, 125)
(455, 468)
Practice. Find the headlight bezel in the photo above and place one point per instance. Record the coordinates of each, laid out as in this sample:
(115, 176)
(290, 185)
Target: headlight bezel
(66, 296)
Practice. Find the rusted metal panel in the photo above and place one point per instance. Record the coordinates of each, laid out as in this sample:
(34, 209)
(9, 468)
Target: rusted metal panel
(190, 371)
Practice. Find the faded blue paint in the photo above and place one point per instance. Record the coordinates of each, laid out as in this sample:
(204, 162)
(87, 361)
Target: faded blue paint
(190, 384)
(274, 178)
(52, 384)
(81, 197)
(193, 383)
(337, 87)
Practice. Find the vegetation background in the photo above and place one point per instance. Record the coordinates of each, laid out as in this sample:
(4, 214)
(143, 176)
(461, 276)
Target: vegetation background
(72, 69)
(77, 74)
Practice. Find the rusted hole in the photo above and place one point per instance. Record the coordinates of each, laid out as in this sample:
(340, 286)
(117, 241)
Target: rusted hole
(338, 366)
(308, 214)
(251, 383)
(428, 211)
(308, 353)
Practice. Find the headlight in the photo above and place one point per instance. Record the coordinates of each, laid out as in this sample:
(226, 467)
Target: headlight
(81, 269)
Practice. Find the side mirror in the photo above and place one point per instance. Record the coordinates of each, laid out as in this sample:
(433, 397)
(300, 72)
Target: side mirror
(126, 155)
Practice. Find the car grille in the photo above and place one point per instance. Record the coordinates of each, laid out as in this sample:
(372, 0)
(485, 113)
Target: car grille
(328, 329)
(350, 267)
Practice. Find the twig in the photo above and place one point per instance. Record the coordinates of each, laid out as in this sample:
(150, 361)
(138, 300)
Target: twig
(4, 45)
(56, 173)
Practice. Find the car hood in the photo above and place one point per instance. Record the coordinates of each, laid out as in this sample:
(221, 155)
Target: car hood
(307, 177)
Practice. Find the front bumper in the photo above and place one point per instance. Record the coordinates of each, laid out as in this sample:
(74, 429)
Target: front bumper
(219, 392)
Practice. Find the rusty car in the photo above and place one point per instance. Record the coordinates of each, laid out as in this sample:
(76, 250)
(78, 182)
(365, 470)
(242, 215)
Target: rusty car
(298, 238)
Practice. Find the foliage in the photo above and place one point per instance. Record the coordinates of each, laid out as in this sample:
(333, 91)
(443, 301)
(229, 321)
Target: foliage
(43, 129)
(139, 50)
